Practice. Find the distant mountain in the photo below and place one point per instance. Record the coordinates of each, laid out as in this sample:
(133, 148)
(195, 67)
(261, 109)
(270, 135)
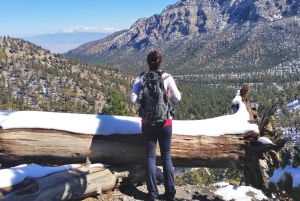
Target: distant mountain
(63, 42)
(197, 35)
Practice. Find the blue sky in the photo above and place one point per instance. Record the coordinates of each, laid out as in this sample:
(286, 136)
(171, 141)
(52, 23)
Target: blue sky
(21, 18)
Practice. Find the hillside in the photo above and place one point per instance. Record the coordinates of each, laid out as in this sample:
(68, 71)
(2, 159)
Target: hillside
(32, 78)
(207, 37)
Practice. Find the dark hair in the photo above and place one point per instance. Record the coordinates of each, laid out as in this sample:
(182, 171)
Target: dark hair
(154, 60)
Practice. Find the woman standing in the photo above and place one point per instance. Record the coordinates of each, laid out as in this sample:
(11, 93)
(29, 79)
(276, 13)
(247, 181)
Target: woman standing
(161, 133)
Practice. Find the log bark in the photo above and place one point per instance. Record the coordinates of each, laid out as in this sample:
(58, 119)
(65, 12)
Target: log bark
(265, 120)
(19, 146)
(261, 157)
(65, 185)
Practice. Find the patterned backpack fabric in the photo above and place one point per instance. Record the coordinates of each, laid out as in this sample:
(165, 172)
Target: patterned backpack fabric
(155, 107)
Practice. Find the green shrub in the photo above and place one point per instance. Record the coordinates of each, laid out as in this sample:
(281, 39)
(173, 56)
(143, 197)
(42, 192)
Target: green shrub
(193, 178)
(284, 188)
(2, 54)
(285, 158)
(296, 157)
(179, 181)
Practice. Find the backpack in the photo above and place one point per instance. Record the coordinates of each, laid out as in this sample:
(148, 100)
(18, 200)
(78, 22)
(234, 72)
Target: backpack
(155, 107)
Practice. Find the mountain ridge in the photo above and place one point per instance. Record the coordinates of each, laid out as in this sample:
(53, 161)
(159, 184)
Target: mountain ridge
(196, 34)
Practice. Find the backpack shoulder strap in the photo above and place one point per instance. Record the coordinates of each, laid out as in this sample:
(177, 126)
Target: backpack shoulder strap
(142, 76)
(161, 72)
(165, 76)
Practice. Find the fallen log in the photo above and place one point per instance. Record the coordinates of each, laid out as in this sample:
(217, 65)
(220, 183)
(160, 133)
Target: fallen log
(65, 185)
(19, 146)
(38, 146)
(223, 142)
(36, 137)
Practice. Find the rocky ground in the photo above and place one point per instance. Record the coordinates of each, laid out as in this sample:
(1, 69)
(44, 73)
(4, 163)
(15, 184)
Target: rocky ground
(184, 193)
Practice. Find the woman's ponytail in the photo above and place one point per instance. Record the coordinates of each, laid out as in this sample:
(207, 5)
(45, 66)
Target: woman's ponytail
(154, 60)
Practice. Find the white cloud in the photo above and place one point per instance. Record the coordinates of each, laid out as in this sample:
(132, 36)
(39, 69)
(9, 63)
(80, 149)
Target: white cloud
(109, 30)
(49, 31)
(87, 29)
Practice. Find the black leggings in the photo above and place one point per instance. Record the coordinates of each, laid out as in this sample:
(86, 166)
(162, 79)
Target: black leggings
(162, 134)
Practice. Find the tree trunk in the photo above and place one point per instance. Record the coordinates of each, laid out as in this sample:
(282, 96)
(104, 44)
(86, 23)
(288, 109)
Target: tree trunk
(19, 146)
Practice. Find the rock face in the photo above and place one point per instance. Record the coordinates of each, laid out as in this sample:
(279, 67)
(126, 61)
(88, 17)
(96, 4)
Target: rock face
(186, 29)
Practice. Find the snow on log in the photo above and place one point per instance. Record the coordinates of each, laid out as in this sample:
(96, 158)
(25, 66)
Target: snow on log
(108, 125)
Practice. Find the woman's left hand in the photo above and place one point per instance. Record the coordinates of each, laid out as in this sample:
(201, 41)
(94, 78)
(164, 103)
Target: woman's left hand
(169, 95)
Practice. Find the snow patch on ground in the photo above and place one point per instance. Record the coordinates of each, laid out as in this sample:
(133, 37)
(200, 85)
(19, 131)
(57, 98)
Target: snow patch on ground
(232, 192)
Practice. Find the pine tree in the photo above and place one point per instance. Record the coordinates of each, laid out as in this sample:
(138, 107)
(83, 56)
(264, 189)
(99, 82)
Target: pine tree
(115, 105)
